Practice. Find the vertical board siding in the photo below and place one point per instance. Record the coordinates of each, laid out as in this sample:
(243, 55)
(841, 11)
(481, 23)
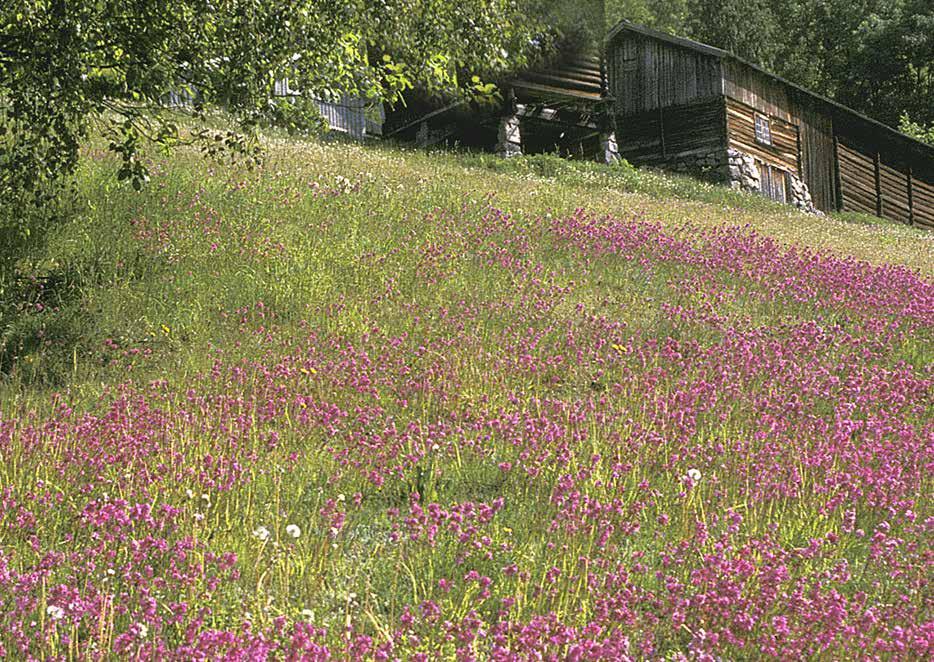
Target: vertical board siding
(646, 74)
(817, 156)
(347, 115)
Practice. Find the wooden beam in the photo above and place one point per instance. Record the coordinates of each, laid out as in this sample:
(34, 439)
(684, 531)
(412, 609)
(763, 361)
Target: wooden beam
(876, 162)
(838, 192)
(911, 201)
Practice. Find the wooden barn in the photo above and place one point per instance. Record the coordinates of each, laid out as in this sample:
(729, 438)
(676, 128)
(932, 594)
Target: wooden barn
(681, 105)
(664, 101)
(558, 107)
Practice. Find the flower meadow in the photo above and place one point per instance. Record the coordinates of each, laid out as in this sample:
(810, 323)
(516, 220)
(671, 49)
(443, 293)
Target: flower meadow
(391, 415)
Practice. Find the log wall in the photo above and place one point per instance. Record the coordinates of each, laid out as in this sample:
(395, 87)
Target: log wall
(677, 133)
(783, 152)
(817, 155)
(871, 184)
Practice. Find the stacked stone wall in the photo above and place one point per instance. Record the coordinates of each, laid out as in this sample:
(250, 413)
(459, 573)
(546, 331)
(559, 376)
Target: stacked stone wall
(710, 166)
(743, 174)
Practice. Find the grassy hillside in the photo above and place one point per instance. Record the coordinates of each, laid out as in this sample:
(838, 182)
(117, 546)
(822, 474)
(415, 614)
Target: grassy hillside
(382, 404)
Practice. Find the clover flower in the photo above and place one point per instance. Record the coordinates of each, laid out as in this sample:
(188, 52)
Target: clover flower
(293, 530)
(694, 474)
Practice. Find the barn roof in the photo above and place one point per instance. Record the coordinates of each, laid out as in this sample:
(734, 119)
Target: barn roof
(575, 77)
(919, 148)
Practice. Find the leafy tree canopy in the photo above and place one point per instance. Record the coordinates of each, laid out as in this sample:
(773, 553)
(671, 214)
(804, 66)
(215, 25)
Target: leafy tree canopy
(65, 63)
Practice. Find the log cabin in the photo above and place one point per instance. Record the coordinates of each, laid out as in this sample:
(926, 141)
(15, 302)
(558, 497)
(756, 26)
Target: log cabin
(682, 105)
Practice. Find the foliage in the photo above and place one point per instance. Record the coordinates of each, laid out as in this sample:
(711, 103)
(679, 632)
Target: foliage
(64, 63)
(917, 131)
(747, 28)
(892, 70)
(665, 15)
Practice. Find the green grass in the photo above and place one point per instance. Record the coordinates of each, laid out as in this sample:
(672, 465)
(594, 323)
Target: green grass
(99, 283)
(217, 265)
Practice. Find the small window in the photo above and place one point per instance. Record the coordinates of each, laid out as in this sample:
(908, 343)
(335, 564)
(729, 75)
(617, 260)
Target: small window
(763, 130)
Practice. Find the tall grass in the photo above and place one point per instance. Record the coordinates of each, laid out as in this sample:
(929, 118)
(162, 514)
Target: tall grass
(374, 403)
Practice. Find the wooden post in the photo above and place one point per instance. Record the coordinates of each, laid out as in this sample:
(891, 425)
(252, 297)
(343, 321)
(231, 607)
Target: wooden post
(876, 163)
(798, 148)
(911, 202)
(661, 131)
(838, 193)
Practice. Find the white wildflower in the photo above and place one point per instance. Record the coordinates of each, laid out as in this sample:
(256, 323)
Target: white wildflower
(142, 630)
(261, 533)
(694, 474)
(308, 614)
(54, 612)
(293, 530)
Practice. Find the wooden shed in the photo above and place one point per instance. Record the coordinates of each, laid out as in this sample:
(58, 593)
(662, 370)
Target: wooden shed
(558, 106)
(682, 105)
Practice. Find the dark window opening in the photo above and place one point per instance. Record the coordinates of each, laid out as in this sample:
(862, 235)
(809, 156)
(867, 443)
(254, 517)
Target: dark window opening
(763, 130)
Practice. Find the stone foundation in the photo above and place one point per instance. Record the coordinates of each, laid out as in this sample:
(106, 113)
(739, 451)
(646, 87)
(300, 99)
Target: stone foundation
(743, 174)
(801, 197)
(509, 137)
(709, 166)
(609, 149)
